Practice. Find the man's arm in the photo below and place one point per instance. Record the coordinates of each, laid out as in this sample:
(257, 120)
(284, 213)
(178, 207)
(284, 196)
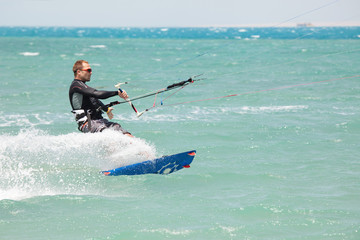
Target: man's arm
(92, 92)
(82, 88)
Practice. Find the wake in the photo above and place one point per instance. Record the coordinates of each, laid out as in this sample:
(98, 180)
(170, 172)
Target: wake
(35, 163)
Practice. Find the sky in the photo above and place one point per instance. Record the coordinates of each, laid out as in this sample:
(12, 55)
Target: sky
(177, 13)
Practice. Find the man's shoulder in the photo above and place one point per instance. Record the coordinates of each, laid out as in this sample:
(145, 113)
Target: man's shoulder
(78, 84)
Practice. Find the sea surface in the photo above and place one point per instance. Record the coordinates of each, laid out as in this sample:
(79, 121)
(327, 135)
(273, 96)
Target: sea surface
(275, 120)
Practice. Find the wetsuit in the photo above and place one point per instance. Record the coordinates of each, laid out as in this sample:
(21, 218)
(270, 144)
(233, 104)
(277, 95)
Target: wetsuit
(88, 108)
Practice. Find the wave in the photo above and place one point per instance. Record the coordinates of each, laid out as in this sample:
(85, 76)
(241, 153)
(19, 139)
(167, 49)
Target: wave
(206, 114)
(350, 32)
(268, 109)
(34, 163)
(30, 54)
(25, 120)
(98, 46)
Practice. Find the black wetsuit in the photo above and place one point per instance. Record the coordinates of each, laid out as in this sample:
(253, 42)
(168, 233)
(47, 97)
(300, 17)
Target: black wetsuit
(83, 97)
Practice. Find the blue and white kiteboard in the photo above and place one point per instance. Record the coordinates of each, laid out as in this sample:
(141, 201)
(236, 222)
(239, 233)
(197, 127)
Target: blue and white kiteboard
(163, 165)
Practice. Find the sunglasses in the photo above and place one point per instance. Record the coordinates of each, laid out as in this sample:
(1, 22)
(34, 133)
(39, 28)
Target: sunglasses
(86, 69)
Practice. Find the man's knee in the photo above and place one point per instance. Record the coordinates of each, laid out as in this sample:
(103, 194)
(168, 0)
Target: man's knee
(117, 127)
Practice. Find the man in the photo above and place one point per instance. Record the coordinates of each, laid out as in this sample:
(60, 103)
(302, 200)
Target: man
(86, 105)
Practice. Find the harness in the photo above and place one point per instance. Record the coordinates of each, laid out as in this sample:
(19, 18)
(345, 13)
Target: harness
(82, 118)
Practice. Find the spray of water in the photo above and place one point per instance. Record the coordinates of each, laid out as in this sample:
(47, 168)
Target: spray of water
(35, 163)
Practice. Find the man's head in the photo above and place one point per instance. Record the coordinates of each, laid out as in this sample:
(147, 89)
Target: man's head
(82, 70)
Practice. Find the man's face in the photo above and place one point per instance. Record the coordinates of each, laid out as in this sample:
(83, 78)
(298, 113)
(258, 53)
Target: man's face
(85, 73)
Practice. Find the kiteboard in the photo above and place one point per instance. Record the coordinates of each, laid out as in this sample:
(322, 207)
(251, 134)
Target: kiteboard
(164, 165)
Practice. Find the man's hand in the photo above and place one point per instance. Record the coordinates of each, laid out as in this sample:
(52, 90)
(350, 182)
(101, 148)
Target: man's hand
(109, 113)
(123, 95)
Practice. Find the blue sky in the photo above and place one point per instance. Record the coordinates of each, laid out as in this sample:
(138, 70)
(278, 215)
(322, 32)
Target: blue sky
(176, 13)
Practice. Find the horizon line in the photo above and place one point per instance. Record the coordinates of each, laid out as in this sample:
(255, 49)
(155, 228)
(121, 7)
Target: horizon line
(299, 24)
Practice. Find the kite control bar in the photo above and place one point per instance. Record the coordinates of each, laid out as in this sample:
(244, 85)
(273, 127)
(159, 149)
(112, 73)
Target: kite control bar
(168, 88)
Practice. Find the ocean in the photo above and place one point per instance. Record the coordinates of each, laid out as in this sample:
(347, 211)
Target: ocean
(275, 121)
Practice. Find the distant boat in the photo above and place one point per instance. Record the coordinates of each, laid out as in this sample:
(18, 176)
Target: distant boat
(304, 25)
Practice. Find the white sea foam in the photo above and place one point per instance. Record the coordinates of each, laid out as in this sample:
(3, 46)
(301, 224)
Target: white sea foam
(98, 46)
(30, 54)
(25, 120)
(166, 231)
(230, 230)
(268, 109)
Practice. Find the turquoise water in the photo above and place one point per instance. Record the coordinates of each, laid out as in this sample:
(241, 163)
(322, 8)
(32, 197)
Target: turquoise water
(278, 161)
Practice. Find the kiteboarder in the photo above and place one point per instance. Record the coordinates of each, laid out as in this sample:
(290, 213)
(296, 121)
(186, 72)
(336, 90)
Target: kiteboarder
(86, 105)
